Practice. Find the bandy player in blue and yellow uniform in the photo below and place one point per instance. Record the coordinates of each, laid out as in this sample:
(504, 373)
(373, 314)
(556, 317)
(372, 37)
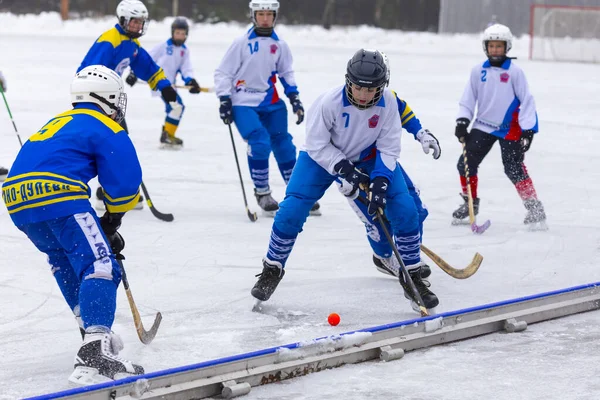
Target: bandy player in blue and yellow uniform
(119, 48)
(47, 196)
(506, 113)
(245, 84)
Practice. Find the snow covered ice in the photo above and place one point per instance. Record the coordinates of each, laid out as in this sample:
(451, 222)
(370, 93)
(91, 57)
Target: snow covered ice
(199, 269)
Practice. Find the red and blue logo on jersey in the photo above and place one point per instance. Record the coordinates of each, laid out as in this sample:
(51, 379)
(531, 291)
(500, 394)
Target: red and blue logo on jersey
(373, 121)
(504, 77)
(273, 48)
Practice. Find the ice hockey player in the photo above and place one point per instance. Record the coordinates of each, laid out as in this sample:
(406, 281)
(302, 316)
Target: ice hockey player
(119, 48)
(383, 257)
(47, 197)
(3, 171)
(245, 84)
(505, 113)
(353, 134)
(173, 57)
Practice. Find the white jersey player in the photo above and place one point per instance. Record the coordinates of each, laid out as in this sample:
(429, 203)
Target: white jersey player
(353, 134)
(506, 113)
(173, 57)
(245, 84)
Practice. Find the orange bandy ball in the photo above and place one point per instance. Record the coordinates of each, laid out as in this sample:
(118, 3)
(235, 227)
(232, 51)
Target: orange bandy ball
(333, 319)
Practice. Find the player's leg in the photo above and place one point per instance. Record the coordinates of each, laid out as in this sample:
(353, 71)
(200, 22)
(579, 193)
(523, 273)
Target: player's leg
(308, 183)
(514, 167)
(90, 255)
(478, 146)
(172, 120)
(250, 126)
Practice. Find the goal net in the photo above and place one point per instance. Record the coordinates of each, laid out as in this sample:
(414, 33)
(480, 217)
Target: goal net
(564, 33)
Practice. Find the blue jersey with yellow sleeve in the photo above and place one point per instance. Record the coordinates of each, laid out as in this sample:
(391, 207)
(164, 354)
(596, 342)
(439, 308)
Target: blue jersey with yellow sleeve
(49, 178)
(117, 51)
(409, 120)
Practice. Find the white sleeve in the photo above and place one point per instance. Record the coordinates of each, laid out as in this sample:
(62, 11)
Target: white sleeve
(227, 69)
(468, 100)
(319, 122)
(527, 114)
(388, 142)
(285, 69)
(186, 69)
(157, 51)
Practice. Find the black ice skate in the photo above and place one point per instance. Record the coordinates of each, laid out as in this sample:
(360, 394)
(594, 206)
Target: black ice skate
(315, 210)
(268, 280)
(170, 142)
(3, 174)
(100, 206)
(266, 202)
(430, 300)
(97, 360)
(390, 266)
(536, 216)
(461, 214)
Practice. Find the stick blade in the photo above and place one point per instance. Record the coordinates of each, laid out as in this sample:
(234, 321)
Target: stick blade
(479, 229)
(147, 336)
(252, 216)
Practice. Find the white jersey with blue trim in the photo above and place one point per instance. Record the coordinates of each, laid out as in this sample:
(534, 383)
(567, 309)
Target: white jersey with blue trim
(173, 59)
(247, 71)
(504, 103)
(337, 130)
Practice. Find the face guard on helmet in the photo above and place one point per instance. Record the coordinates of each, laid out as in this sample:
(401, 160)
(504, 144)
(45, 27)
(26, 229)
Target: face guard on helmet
(366, 69)
(102, 86)
(501, 33)
(179, 23)
(263, 5)
(128, 10)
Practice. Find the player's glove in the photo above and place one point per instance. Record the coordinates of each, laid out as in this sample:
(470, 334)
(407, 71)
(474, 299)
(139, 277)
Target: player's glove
(169, 94)
(110, 223)
(377, 195)
(461, 131)
(428, 141)
(131, 79)
(355, 178)
(195, 88)
(297, 107)
(225, 109)
(526, 139)
(117, 243)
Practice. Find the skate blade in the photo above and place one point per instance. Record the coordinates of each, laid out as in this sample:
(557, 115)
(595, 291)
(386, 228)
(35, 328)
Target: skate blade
(167, 146)
(87, 376)
(257, 307)
(316, 213)
(537, 226)
(100, 205)
(268, 214)
(139, 206)
(415, 307)
(386, 271)
(456, 222)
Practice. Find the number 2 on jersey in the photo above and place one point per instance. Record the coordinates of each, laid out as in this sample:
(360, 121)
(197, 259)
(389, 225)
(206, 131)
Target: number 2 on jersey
(253, 50)
(50, 129)
(483, 75)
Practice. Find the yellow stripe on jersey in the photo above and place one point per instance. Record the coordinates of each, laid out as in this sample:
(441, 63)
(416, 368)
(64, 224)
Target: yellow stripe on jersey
(121, 208)
(112, 36)
(154, 79)
(116, 128)
(31, 174)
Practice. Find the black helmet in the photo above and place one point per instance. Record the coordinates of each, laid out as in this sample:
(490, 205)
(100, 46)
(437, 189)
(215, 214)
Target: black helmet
(179, 23)
(366, 68)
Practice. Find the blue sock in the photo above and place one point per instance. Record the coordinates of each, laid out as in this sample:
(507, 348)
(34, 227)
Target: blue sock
(280, 246)
(259, 171)
(98, 302)
(286, 169)
(409, 247)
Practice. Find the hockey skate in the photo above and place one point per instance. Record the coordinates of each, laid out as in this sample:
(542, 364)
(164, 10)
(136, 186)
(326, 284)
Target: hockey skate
(170, 141)
(461, 214)
(315, 211)
(3, 174)
(536, 216)
(430, 300)
(268, 280)
(266, 202)
(391, 266)
(100, 206)
(97, 360)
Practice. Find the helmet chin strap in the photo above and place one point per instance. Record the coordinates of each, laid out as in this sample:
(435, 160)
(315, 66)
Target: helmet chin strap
(109, 104)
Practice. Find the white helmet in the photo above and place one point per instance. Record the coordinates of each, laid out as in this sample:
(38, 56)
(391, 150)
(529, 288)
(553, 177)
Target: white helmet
(497, 32)
(263, 5)
(128, 9)
(102, 86)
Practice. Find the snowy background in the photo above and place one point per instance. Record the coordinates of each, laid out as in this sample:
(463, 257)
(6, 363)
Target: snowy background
(198, 270)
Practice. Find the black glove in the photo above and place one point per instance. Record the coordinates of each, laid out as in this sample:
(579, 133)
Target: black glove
(131, 79)
(226, 110)
(377, 195)
(461, 131)
(110, 223)
(297, 107)
(169, 94)
(355, 177)
(526, 139)
(195, 88)
(117, 243)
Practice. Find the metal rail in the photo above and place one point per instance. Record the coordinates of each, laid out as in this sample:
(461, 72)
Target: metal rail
(234, 376)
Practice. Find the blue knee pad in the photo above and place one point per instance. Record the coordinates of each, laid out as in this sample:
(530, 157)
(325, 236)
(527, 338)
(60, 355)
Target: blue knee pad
(259, 147)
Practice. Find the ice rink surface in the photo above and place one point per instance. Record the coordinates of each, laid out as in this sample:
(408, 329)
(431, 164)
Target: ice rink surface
(198, 270)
